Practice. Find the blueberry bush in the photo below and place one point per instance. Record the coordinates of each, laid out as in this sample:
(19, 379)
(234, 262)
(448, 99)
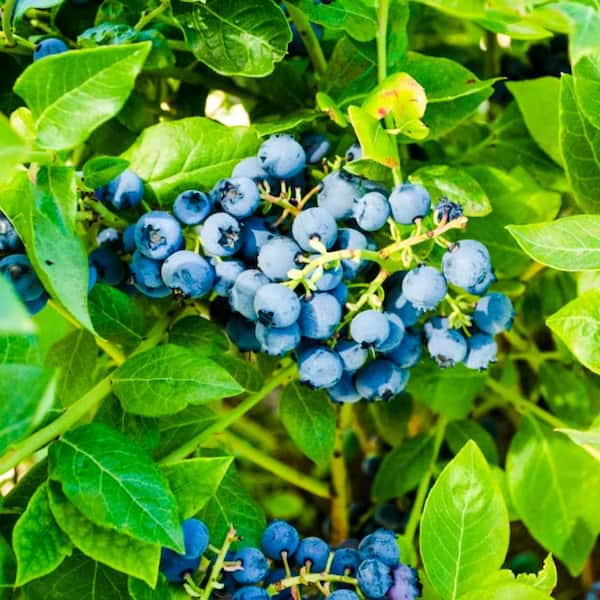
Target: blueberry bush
(299, 299)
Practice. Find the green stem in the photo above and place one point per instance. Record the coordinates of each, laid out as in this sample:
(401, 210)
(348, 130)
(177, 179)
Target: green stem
(106, 215)
(253, 431)
(150, 16)
(7, 12)
(219, 562)
(285, 375)
(311, 43)
(307, 579)
(272, 465)
(339, 479)
(417, 509)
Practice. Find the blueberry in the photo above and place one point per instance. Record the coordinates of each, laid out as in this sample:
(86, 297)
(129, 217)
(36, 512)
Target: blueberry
(381, 379)
(482, 351)
(390, 516)
(18, 270)
(296, 47)
(594, 592)
(250, 592)
(279, 537)
(320, 367)
(320, 314)
(239, 196)
(435, 324)
(395, 336)
(48, 47)
(152, 292)
(312, 552)
(34, 306)
(409, 202)
(314, 224)
(467, 264)
(158, 235)
(9, 240)
(382, 546)
(109, 237)
(255, 234)
(282, 156)
(351, 239)
(424, 287)
(447, 347)
(92, 275)
(316, 146)
(279, 256)
(329, 278)
(374, 578)
(353, 355)
(276, 305)
(397, 303)
(406, 584)
(129, 239)
(221, 235)
(124, 191)
(354, 152)
(275, 576)
(343, 595)
(192, 207)
(494, 313)
(176, 566)
(346, 561)
(242, 333)
(370, 328)
(251, 167)
(371, 211)
(254, 566)
(344, 391)
(146, 271)
(338, 193)
(340, 293)
(278, 341)
(226, 272)
(482, 287)
(241, 296)
(109, 267)
(408, 353)
(445, 210)
(188, 273)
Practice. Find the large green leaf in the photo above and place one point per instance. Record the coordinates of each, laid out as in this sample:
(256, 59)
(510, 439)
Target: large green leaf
(200, 335)
(580, 148)
(458, 433)
(14, 318)
(24, 349)
(541, 118)
(7, 569)
(555, 486)
(100, 170)
(88, 88)
(464, 528)
(309, 418)
(164, 380)
(176, 156)
(578, 326)
(587, 85)
(569, 244)
(588, 440)
(104, 545)
(234, 37)
(22, 6)
(13, 149)
(39, 543)
(116, 485)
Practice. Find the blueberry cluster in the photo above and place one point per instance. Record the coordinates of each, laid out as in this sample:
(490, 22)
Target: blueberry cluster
(17, 268)
(295, 268)
(285, 562)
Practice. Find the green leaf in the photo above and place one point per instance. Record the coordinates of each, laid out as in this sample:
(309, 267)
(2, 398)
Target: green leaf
(309, 418)
(27, 393)
(116, 316)
(75, 355)
(193, 160)
(464, 528)
(22, 6)
(163, 591)
(116, 485)
(228, 37)
(14, 317)
(541, 118)
(88, 88)
(588, 440)
(7, 569)
(545, 579)
(104, 545)
(79, 577)
(24, 349)
(580, 148)
(40, 544)
(165, 379)
(98, 171)
(200, 335)
(587, 85)
(449, 392)
(195, 481)
(578, 325)
(268, 126)
(569, 244)
(506, 591)
(245, 373)
(13, 150)
(43, 221)
(458, 433)
(403, 468)
(456, 185)
(391, 418)
(328, 105)
(555, 487)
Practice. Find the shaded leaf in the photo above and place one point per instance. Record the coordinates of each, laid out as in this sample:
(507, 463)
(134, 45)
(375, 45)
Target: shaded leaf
(98, 171)
(458, 433)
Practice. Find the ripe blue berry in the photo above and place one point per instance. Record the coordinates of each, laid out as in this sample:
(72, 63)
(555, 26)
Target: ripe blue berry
(329, 278)
(447, 347)
(314, 224)
(239, 196)
(109, 267)
(482, 351)
(337, 195)
(226, 272)
(354, 152)
(351, 239)
(123, 192)
(34, 306)
(343, 595)
(48, 47)
(251, 167)
(282, 156)
(381, 379)
(320, 367)
(371, 211)
(276, 305)
(320, 314)
(18, 270)
(242, 333)
(109, 237)
(250, 592)
(344, 391)
(353, 355)
(374, 578)
(188, 273)
(346, 561)
(424, 287)
(312, 552)
(9, 240)
(409, 202)
(370, 328)
(192, 207)
(494, 313)
(408, 353)
(279, 537)
(255, 234)
(482, 287)
(176, 566)
(279, 256)
(397, 303)
(277, 341)
(435, 324)
(395, 336)
(145, 270)
(316, 146)
(340, 293)
(158, 235)
(221, 235)
(241, 296)
(254, 566)
(445, 210)
(129, 239)
(406, 584)
(382, 546)
(467, 264)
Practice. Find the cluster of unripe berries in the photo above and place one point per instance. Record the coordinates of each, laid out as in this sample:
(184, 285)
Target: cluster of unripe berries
(285, 561)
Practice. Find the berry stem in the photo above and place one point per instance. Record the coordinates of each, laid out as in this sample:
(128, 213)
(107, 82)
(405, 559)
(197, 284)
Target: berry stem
(7, 12)
(219, 562)
(108, 217)
(153, 14)
(339, 478)
(272, 465)
(308, 579)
